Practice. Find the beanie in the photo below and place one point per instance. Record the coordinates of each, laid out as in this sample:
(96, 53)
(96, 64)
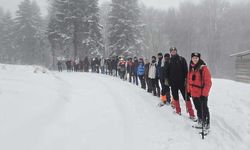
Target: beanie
(172, 49)
(196, 55)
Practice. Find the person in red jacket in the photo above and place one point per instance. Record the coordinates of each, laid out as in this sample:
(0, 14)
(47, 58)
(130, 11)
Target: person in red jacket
(199, 84)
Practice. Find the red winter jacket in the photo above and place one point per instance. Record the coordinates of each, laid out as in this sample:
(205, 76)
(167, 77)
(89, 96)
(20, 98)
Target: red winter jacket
(197, 87)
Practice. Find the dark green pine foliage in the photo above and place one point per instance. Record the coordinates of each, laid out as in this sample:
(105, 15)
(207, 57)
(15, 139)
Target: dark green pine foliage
(27, 28)
(125, 32)
(76, 23)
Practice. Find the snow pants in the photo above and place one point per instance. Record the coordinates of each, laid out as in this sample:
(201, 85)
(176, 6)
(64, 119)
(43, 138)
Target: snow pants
(155, 86)
(202, 109)
(142, 80)
(165, 90)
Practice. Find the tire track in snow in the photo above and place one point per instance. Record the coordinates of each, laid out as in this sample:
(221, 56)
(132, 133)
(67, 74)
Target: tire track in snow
(128, 123)
(63, 91)
(27, 136)
(141, 132)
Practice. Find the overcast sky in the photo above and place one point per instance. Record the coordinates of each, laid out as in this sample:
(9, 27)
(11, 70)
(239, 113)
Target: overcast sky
(163, 4)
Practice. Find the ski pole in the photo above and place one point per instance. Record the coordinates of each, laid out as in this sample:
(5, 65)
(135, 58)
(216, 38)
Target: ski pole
(202, 113)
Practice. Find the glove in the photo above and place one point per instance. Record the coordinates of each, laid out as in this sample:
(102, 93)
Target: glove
(188, 94)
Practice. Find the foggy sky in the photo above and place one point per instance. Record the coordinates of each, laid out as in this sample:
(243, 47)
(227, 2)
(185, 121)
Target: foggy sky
(162, 4)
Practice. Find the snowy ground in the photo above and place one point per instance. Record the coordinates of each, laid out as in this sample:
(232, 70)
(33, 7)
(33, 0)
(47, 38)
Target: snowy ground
(86, 111)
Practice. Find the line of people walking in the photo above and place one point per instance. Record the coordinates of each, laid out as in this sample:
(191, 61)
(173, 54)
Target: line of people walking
(165, 76)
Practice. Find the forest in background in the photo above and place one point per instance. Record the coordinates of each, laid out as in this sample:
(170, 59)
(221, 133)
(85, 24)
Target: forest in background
(80, 28)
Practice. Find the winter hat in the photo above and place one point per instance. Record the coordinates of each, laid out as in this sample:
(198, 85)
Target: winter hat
(167, 55)
(196, 55)
(172, 49)
(153, 57)
(159, 54)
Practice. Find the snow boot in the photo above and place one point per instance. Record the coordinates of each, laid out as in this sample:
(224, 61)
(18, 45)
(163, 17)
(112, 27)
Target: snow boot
(172, 103)
(190, 110)
(168, 97)
(207, 126)
(161, 104)
(198, 125)
(164, 98)
(177, 107)
(158, 92)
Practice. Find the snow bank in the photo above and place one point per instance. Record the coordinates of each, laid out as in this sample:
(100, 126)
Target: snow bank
(76, 111)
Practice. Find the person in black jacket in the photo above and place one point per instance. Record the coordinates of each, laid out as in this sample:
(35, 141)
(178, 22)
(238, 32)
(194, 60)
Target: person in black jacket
(59, 65)
(160, 75)
(136, 63)
(146, 67)
(130, 69)
(177, 73)
(86, 64)
(165, 68)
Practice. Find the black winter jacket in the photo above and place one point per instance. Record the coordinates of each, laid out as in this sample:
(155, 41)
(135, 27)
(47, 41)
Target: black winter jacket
(177, 71)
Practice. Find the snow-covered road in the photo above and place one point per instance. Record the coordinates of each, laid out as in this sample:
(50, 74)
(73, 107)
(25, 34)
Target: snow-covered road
(86, 111)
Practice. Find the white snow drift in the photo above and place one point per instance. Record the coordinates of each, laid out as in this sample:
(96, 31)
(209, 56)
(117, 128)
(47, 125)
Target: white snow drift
(86, 111)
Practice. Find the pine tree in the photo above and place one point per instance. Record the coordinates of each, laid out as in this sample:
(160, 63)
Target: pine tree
(105, 8)
(27, 29)
(93, 40)
(125, 30)
(55, 31)
(6, 38)
(75, 24)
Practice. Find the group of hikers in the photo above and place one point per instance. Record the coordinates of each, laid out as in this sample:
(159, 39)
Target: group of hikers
(74, 65)
(164, 76)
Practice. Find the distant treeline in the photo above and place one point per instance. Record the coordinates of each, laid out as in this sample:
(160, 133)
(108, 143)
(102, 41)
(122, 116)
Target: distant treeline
(215, 28)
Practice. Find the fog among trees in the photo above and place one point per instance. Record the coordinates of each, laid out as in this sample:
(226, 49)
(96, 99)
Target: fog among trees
(79, 28)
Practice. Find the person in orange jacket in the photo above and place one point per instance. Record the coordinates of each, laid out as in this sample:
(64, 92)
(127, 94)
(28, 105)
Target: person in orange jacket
(199, 84)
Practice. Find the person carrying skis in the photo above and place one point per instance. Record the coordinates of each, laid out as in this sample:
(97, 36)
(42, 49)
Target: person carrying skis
(177, 73)
(141, 72)
(199, 85)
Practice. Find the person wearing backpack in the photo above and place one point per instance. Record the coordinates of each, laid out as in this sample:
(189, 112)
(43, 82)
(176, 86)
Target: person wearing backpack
(199, 85)
(177, 73)
(152, 75)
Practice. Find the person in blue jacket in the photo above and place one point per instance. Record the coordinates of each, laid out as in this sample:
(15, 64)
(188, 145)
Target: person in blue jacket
(141, 72)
